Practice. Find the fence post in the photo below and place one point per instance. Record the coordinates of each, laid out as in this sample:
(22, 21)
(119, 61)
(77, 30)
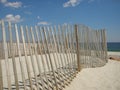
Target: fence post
(105, 44)
(77, 47)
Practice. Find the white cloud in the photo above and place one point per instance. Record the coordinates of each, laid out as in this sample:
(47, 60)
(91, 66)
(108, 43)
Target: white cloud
(89, 1)
(43, 23)
(3, 1)
(72, 3)
(12, 18)
(11, 4)
(38, 17)
(65, 23)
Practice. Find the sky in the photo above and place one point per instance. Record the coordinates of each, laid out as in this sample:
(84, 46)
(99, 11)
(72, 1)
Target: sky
(97, 14)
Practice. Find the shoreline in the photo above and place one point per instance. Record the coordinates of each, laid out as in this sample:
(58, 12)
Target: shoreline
(114, 56)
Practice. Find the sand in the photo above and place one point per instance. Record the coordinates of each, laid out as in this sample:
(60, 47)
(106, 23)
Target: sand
(100, 78)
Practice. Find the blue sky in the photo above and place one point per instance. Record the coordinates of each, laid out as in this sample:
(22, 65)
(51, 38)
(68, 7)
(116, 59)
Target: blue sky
(96, 14)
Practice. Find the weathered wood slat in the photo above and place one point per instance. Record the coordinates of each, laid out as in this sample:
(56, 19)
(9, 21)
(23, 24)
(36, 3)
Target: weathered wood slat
(47, 62)
(31, 56)
(40, 49)
(13, 57)
(6, 56)
(20, 59)
(26, 58)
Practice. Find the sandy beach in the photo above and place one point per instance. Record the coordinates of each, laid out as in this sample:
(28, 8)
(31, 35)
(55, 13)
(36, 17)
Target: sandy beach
(106, 77)
(100, 78)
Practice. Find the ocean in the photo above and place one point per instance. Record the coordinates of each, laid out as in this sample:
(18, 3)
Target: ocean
(113, 46)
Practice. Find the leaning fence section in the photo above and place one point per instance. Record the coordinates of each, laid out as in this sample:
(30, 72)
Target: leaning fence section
(92, 47)
(47, 57)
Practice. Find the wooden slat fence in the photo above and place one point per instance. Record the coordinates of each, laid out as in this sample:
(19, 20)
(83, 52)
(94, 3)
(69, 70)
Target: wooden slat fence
(47, 57)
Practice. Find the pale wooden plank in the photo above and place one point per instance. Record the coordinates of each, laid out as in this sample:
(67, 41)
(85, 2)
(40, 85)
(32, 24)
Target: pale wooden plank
(6, 56)
(26, 58)
(13, 56)
(20, 58)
